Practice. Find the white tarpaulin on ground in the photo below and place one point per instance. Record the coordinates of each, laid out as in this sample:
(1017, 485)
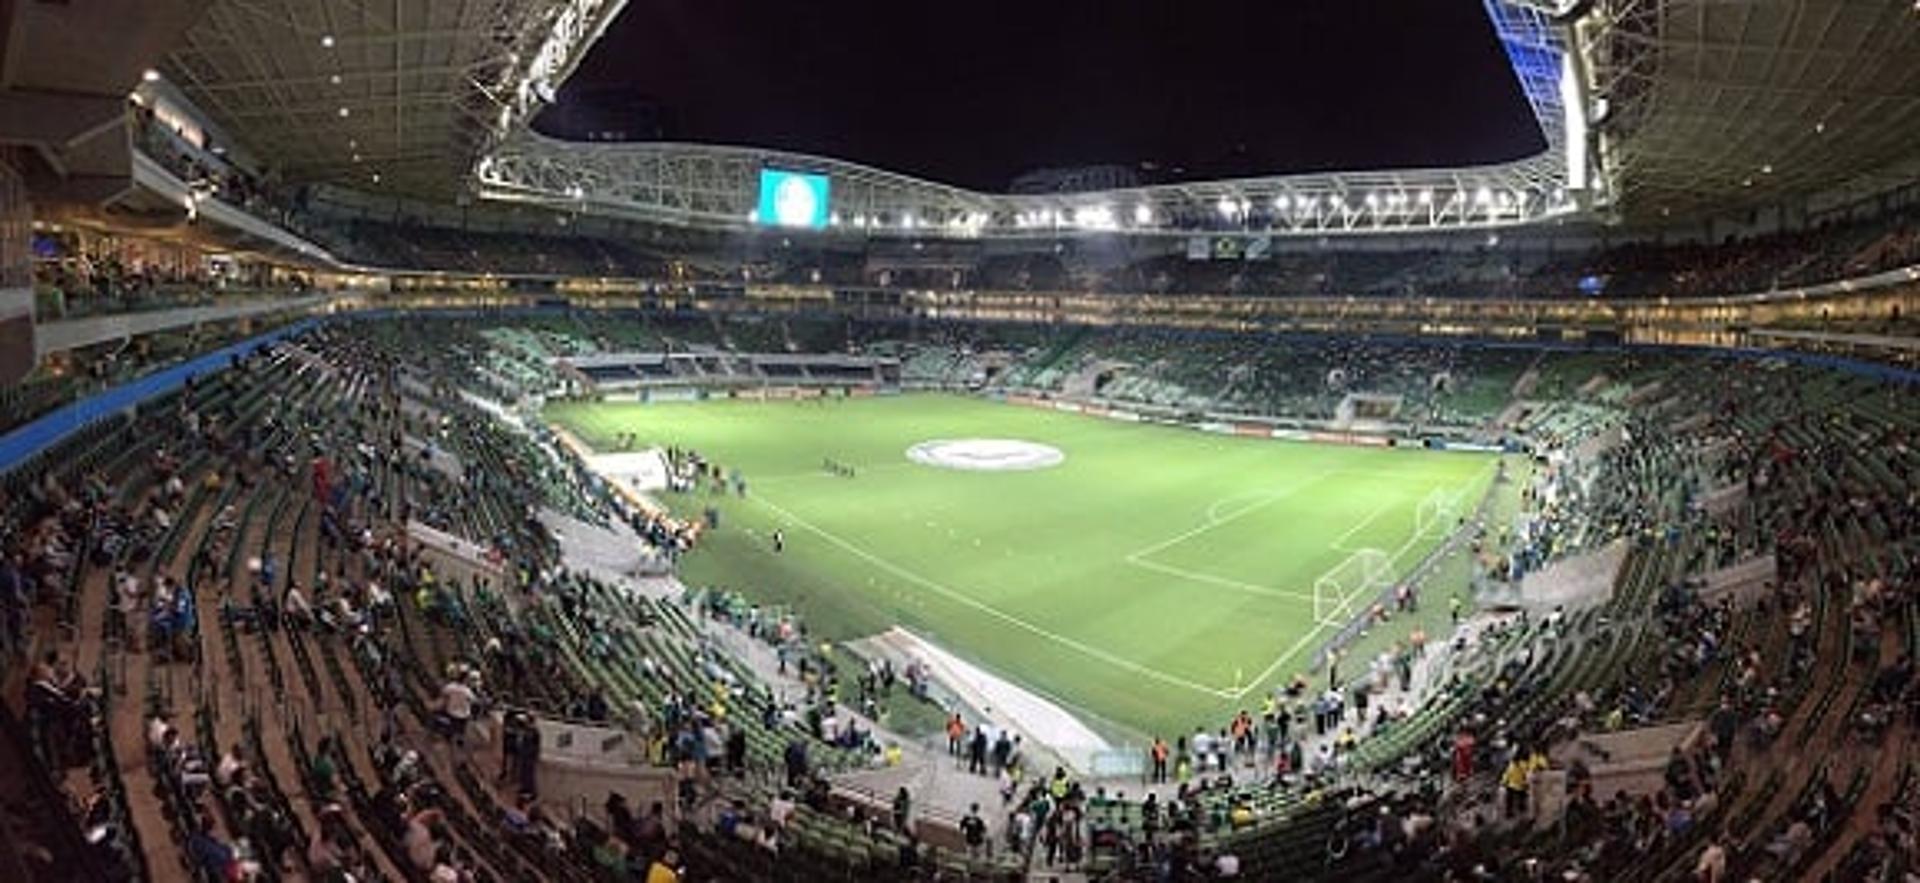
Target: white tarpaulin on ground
(641, 472)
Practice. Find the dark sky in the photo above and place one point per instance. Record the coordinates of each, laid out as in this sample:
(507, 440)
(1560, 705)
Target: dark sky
(973, 93)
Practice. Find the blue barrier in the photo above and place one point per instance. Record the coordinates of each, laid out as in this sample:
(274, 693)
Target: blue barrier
(30, 440)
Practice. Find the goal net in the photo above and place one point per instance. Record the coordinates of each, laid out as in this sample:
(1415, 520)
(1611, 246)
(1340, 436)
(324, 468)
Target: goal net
(1437, 513)
(1361, 576)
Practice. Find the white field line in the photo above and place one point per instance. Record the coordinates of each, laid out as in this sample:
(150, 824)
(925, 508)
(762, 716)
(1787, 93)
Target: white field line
(1261, 678)
(1340, 544)
(1211, 523)
(1250, 588)
(1322, 625)
(966, 601)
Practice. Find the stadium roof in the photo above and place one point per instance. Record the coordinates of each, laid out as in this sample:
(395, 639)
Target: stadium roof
(410, 91)
(985, 94)
(1697, 106)
(1712, 106)
(716, 186)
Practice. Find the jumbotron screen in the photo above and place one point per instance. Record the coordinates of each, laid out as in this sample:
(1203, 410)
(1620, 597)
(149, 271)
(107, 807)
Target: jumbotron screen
(793, 199)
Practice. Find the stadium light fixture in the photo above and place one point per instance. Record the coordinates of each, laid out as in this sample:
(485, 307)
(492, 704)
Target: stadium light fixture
(345, 111)
(150, 75)
(833, 219)
(1426, 197)
(1373, 200)
(1142, 215)
(906, 222)
(1483, 196)
(1280, 203)
(1226, 207)
(334, 79)
(326, 41)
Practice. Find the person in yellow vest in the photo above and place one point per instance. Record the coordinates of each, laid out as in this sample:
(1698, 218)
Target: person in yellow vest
(1516, 780)
(665, 869)
(1060, 784)
(893, 755)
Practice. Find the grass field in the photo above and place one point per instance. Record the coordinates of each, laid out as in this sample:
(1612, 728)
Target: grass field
(1154, 579)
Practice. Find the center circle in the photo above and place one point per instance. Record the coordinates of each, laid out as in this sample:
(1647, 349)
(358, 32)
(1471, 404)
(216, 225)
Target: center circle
(985, 454)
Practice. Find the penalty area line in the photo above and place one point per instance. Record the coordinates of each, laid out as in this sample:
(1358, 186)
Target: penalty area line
(1249, 588)
(965, 601)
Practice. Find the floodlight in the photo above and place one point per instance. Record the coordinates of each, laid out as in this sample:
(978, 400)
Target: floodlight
(326, 41)
(1142, 214)
(1426, 197)
(1483, 196)
(150, 75)
(1226, 207)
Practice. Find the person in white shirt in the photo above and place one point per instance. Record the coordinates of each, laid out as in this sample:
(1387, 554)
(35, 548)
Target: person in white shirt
(157, 728)
(780, 809)
(1712, 867)
(230, 764)
(295, 606)
(126, 608)
(456, 700)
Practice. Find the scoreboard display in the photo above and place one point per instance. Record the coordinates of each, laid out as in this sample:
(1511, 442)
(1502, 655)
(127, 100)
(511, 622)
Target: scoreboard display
(793, 199)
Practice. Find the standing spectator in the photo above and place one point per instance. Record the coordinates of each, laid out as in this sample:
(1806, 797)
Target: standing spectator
(456, 708)
(975, 831)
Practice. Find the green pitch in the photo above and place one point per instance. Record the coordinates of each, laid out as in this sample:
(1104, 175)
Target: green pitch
(1156, 578)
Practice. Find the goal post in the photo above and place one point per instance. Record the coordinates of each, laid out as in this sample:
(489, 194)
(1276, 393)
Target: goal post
(1437, 513)
(1363, 574)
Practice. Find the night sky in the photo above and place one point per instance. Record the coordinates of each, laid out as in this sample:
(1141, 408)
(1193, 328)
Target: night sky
(974, 93)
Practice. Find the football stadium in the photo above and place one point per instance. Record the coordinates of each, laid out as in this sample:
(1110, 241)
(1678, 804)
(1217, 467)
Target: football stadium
(607, 440)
